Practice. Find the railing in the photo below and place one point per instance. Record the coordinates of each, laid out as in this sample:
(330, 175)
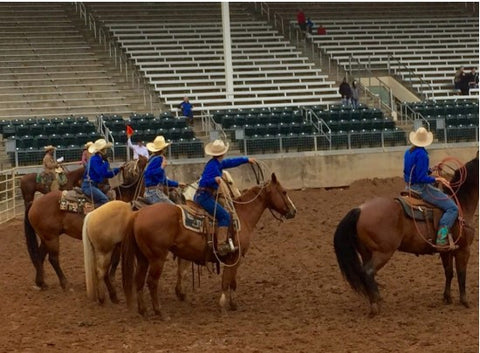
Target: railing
(121, 60)
(409, 114)
(424, 85)
(11, 203)
(320, 125)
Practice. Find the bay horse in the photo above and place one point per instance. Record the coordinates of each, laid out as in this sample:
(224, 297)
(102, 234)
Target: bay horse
(368, 235)
(29, 185)
(158, 229)
(43, 217)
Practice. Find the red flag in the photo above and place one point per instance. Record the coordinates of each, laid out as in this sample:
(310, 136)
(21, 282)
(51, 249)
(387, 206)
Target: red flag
(129, 130)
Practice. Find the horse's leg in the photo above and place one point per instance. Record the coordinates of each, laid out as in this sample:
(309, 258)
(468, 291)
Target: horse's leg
(53, 248)
(447, 261)
(154, 273)
(40, 275)
(103, 262)
(140, 274)
(461, 262)
(117, 251)
(370, 268)
(228, 282)
(182, 270)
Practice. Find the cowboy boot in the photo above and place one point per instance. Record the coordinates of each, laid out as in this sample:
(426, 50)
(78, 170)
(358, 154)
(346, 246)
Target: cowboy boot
(442, 239)
(223, 248)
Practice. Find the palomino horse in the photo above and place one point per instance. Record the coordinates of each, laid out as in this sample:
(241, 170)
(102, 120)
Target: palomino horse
(43, 217)
(158, 229)
(377, 228)
(29, 185)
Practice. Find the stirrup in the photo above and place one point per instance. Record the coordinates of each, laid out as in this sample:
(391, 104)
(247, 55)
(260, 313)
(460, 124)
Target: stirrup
(451, 246)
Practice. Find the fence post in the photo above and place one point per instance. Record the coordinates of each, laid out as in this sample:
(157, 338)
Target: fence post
(13, 193)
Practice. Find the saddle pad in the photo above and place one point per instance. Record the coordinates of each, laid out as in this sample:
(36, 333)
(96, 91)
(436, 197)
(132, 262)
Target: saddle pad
(72, 201)
(415, 208)
(192, 219)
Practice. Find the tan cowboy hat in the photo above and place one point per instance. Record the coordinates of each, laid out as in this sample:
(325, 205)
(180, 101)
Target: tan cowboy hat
(216, 148)
(88, 144)
(158, 144)
(49, 148)
(99, 145)
(421, 137)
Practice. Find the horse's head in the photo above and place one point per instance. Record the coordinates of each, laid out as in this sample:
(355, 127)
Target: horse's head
(278, 200)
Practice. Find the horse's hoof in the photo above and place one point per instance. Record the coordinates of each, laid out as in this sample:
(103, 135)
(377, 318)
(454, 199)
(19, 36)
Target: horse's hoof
(163, 317)
(374, 310)
(115, 300)
(233, 306)
(465, 303)
(447, 300)
(180, 295)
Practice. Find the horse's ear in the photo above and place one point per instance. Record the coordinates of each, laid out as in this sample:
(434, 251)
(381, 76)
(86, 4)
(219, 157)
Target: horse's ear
(274, 178)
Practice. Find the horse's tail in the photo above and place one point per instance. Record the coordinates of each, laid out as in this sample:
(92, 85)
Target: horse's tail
(345, 243)
(91, 280)
(129, 252)
(31, 237)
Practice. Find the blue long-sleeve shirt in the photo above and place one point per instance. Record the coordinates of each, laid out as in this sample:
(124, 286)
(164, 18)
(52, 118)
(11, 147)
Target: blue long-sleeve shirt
(415, 167)
(154, 174)
(214, 168)
(98, 169)
(186, 109)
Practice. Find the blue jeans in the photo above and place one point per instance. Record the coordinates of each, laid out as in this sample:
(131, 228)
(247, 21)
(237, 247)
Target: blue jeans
(436, 197)
(205, 199)
(156, 195)
(98, 197)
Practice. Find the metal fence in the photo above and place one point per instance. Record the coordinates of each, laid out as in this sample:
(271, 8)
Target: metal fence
(11, 202)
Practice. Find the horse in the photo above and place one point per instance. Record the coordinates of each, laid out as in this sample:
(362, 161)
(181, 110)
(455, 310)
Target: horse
(103, 231)
(367, 237)
(29, 185)
(43, 217)
(158, 229)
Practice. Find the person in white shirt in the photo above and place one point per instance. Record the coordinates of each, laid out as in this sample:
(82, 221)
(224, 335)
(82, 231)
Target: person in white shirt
(139, 149)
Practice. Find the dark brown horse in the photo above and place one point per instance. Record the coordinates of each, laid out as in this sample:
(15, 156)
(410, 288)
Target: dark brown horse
(368, 236)
(44, 218)
(29, 185)
(158, 229)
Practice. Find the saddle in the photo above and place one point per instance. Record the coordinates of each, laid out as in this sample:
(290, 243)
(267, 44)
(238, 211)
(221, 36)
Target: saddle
(75, 201)
(46, 179)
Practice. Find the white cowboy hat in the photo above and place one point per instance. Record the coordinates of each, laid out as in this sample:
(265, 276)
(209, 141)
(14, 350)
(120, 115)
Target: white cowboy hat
(88, 144)
(49, 148)
(216, 148)
(99, 145)
(421, 137)
(158, 144)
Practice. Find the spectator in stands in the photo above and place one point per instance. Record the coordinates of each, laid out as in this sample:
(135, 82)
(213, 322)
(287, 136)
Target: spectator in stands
(355, 94)
(310, 25)
(302, 24)
(187, 110)
(416, 173)
(139, 149)
(473, 78)
(97, 170)
(85, 154)
(459, 75)
(154, 174)
(321, 30)
(345, 91)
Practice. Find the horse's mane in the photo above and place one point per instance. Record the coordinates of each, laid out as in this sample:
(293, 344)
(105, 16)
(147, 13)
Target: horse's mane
(470, 170)
(246, 194)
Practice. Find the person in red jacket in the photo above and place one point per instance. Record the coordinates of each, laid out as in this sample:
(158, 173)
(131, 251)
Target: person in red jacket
(302, 23)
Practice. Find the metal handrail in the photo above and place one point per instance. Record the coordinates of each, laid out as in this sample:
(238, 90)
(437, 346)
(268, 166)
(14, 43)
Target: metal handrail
(423, 83)
(319, 125)
(410, 114)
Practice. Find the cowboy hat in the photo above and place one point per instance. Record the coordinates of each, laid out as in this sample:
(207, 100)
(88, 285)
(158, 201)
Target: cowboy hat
(99, 145)
(216, 148)
(421, 137)
(158, 144)
(88, 144)
(49, 148)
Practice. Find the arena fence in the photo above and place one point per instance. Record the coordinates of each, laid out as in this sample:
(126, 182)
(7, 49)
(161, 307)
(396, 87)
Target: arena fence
(11, 202)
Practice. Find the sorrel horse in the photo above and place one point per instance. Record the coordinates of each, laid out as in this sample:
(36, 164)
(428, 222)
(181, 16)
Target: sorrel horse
(158, 229)
(44, 218)
(100, 242)
(29, 185)
(377, 228)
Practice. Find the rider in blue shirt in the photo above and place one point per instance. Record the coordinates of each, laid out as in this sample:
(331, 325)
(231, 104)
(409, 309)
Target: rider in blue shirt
(208, 185)
(96, 171)
(416, 174)
(154, 175)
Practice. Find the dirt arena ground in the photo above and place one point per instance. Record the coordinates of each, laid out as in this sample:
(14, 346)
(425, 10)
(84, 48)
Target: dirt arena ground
(291, 297)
